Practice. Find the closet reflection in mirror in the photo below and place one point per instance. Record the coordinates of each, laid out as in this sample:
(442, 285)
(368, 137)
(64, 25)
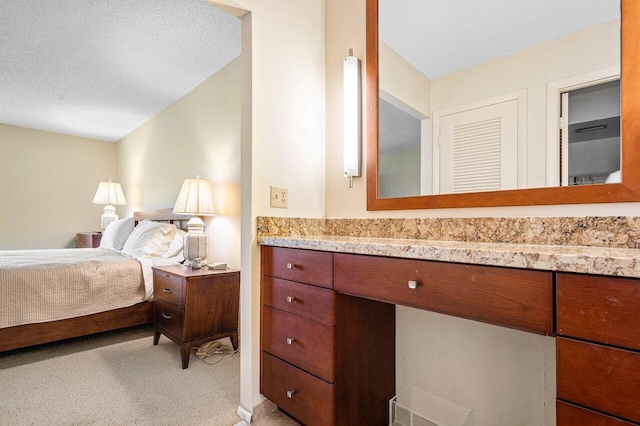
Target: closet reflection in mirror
(472, 95)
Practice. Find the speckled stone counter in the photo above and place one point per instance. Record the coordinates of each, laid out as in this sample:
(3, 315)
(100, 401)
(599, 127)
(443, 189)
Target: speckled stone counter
(602, 246)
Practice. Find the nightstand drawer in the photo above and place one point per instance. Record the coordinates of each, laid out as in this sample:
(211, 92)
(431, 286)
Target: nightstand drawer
(305, 397)
(168, 288)
(305, 266)
(168, 318)
(315, 303)
(88, 239)
(300, 341)
(603, 378)
(600, 309)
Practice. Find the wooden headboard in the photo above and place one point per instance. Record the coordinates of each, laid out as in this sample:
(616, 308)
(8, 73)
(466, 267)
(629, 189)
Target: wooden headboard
(164, 215)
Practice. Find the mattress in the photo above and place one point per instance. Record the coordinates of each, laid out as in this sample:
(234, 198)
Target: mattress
(47, 285)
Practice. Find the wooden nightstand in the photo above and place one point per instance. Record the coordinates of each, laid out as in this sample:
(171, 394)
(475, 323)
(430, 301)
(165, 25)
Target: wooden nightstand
(192, 307)
(88, 239)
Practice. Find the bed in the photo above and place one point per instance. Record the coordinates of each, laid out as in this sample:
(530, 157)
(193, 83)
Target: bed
(51, 295)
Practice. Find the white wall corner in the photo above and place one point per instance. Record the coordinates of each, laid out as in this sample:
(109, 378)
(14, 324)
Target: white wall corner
(231, 7)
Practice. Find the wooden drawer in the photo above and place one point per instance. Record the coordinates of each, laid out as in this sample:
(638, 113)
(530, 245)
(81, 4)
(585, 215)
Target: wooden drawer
(571, 415)
(88, 239)
(168, 288)
(601, 309)
(515, 298)
(168, 318)
(305, 266)
(300, 341)
(312, 398)
(604, 378)
(308, 301)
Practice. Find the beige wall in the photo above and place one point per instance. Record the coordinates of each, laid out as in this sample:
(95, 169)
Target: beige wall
(402, 85)
(285, 145)
(47, 184)
(199, 134)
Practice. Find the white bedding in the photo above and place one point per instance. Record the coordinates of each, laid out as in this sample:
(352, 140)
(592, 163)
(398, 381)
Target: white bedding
(48, 285)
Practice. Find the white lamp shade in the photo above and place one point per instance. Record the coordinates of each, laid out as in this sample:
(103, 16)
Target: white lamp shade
(196, 198)
(109, 193)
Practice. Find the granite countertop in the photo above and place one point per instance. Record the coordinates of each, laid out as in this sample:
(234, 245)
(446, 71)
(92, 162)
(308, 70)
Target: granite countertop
(622, 262)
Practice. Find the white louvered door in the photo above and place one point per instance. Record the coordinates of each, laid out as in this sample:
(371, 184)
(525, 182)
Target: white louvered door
(479, 148)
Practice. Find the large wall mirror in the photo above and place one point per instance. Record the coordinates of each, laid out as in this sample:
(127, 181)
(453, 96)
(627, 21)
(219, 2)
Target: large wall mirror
(514, 102)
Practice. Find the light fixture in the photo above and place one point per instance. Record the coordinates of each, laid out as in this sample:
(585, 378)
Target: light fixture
(196, 198)
(109, 193)
(352, 117)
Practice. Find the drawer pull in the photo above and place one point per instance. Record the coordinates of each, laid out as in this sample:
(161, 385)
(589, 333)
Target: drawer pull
(166, 316)
(413, 284)
(290, 393)
(166, 290)
(290, 299)
(290, 265)
(290, 340)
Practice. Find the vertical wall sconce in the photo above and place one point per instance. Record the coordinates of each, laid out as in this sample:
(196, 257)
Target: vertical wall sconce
(352, 117)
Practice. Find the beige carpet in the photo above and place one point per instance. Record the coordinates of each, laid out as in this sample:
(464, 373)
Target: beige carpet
(116, 378)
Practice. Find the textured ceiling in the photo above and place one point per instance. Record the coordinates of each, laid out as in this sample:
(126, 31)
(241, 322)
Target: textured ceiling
(101, 68)
(443, 36)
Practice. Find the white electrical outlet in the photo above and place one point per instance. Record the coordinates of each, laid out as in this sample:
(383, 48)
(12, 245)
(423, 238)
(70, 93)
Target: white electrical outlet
(279, 197)
(244, 414)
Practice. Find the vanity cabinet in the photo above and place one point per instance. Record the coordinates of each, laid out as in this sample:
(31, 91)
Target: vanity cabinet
(328, 330)
(569, 414)
(598, 345)
(327, 358)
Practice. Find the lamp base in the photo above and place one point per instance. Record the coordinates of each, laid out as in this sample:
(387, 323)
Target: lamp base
(108, 216)
(195, 244)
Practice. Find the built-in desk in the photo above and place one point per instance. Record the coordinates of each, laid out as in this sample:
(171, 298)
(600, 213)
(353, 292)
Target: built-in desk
(327, 302)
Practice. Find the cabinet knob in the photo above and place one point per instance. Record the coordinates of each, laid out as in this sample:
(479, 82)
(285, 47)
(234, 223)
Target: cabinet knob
(290, 393)
(166, 316)
(166, 290)
(290, 340)
(290, 299)
(290, 265)
(413, 284)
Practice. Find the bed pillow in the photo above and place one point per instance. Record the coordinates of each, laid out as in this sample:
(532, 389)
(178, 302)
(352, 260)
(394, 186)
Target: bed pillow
(116, 234)
(149, 239)
(176, 246)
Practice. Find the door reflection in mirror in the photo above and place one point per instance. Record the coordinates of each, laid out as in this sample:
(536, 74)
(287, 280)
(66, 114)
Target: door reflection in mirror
(592, 128)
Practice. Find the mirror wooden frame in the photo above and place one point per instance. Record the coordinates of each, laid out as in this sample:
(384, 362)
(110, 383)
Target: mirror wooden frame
(626, 191)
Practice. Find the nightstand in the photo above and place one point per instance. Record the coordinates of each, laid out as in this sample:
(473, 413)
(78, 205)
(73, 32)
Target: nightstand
(88, 239)
(194, 306)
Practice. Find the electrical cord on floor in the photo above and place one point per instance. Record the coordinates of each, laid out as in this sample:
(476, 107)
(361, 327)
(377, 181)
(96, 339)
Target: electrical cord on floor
(210, 349)
(224, 356)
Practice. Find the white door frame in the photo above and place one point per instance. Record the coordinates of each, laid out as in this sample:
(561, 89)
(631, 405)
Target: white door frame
(554, 91)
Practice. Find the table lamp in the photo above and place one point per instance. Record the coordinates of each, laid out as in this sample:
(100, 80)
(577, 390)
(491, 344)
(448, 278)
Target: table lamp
(109, 193)
(196, 198)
